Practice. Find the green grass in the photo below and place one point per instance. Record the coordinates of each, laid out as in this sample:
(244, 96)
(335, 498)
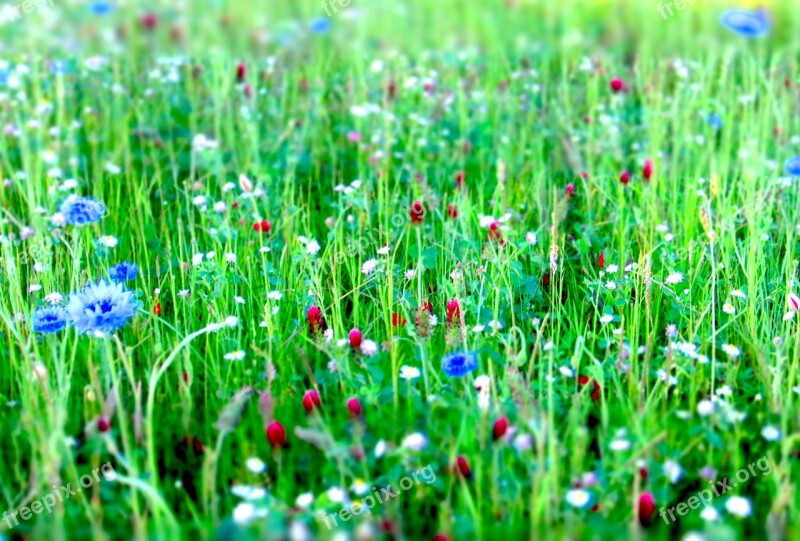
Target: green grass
(520, 102)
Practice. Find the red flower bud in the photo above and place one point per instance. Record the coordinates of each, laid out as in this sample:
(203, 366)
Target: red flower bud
(500, 428)
(601, 261)
(241, 71)
(460, 179)
(354, 407)
(453, 311)
(417, 212)
(314, 317)
(617, 84)
(355, 338)
(263, 226)
(311, 400)
(570, 190)
(452, 210)
(157, 309)
(647, 507)
(103, 425)
(495, 234)
(276, 434)
(462, 467)
(625, 177)
(149, 20)
(647, 170)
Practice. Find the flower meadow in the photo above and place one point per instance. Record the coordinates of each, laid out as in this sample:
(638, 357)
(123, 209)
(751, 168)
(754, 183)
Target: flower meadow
(400, 270)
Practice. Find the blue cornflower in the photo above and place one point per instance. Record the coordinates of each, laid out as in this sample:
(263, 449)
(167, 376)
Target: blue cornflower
(715, 121)
(81, 211)
(123, 271)
(49, 319)
(459, 364)
(750, 24)
(101, 8)
(59, 67)
(320, 25)
(792, 167)
(101, 307)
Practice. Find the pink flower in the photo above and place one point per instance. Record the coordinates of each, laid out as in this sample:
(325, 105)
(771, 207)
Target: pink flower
(647, 506)
(647, 170)
(355, 338)
(276, 434)
(500, 428)
(311, 400)
(354, 407)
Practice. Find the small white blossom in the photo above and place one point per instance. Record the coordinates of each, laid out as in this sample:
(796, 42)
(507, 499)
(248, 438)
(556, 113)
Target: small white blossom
(369, 266)
(578, 498)
(237, 355)
(415, 442)
(369, 348)
(409, 372)
(674, 278)
(739, 506)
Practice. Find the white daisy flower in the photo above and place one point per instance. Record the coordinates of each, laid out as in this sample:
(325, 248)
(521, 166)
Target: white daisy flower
(620, 445)
(304, 500)
(578, 498)
(108, 241)
(409, 372)
(738, 293)
(237, 355)
(706, 408)
(709, 514)
(256, 465)
(739, 506)
(771, 433)
(731, 350)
